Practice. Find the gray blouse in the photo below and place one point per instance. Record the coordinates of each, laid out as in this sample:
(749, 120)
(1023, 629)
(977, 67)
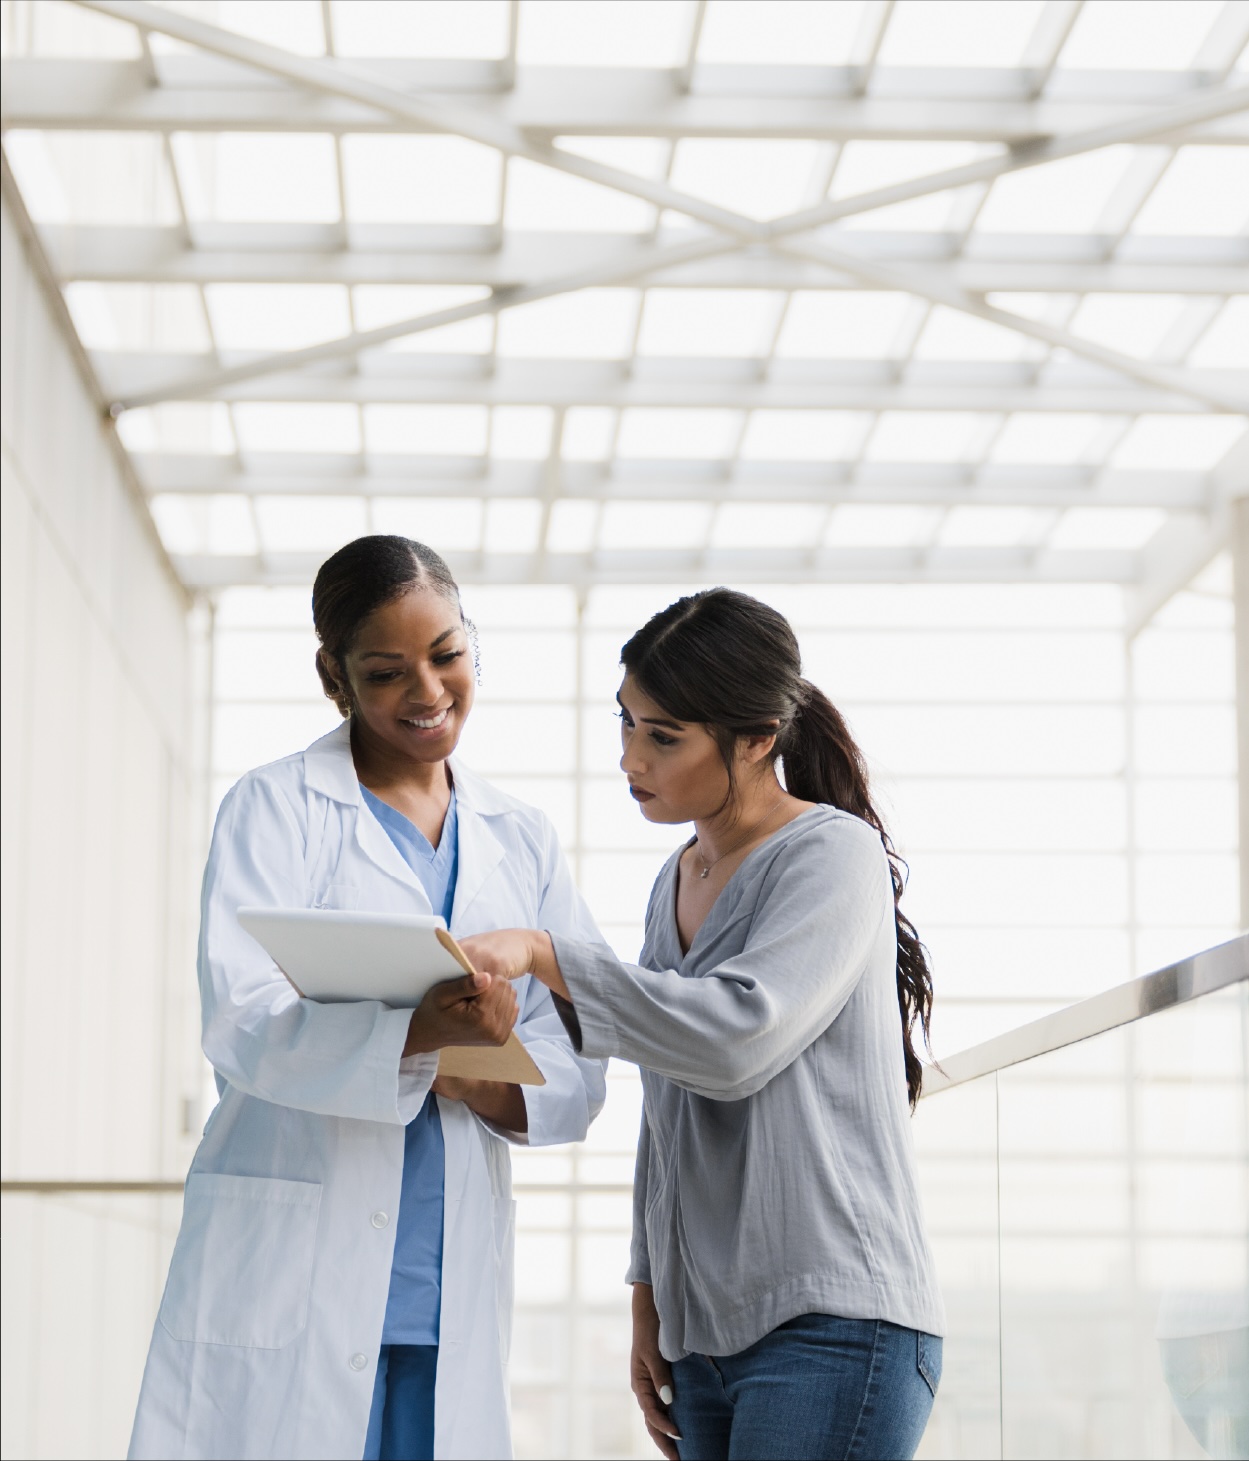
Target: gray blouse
(775, 1172)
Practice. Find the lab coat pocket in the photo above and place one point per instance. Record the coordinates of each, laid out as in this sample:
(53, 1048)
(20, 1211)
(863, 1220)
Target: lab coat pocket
(242, 1266)
(505, 1251)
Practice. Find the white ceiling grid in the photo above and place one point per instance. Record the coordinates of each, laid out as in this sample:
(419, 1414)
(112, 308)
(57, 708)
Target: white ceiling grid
(658, 290)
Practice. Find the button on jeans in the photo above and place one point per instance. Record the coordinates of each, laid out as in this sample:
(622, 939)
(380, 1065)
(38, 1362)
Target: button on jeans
(817, 1388)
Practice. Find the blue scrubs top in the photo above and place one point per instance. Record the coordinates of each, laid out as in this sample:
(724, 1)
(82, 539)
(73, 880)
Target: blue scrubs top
(416, 1271)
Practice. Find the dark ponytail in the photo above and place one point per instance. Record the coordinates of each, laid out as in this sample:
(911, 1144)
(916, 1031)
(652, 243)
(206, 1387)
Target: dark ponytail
(730, 662)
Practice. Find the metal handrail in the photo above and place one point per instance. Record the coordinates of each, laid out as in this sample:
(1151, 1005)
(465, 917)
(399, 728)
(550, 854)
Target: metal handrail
(1164, 989)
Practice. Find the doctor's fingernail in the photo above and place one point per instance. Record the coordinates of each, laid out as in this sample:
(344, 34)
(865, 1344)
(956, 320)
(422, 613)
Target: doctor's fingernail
(665, 1394)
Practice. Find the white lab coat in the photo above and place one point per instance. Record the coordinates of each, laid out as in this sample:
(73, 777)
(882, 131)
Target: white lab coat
(268, 1332)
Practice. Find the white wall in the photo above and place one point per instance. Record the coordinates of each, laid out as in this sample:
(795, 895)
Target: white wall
(98, 1019)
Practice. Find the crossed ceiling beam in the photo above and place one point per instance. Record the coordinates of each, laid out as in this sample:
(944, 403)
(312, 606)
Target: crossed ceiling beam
(740, 230)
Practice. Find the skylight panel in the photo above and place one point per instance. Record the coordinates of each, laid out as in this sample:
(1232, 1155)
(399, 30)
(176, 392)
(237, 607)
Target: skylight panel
(377, 305)
(1204, 191)
(1066, 196)
(590, 324)
(573, 525)
(543, 198)
(400, 430)
(512, 525)
(297, 426)
(653, 33)
(1125, 528)
(446, 524)
(588, 432)
(418, 179)
(645, 156)
(212, 523)
(309, 524)
(710, 323)
(864, 525)
(294, 25)
(667, 524)
(521, 433)
(434, 28)
(55, 28)
(93, 177)
(1148, 35)
(927, 436)
(1178, 443)
(767, 525)
(841, 324)
(178, 427)
(1225, 345)
(758, 177)
(1135, 324)
(975, 526)
(958, 33)
(670, 433)
(865, 166)
(276, 316)
(1036, 438)
(949, 334)
(257, 177)
(811, 436)
(780, 33)
(138, 317)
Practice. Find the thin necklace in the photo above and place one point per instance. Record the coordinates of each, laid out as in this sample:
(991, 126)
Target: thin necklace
(758, 827)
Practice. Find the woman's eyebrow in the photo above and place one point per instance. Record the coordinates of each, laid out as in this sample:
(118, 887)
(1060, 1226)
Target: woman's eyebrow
(446, 634)
(382, 654)
(651, 720)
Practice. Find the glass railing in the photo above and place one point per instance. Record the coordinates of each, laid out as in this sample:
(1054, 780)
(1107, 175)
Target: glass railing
(1086, 1180)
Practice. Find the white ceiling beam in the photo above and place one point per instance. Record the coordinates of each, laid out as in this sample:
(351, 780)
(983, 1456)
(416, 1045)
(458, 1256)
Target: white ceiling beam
(1045, 44)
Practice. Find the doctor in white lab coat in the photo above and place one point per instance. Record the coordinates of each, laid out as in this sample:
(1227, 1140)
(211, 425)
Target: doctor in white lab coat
(267, 1340)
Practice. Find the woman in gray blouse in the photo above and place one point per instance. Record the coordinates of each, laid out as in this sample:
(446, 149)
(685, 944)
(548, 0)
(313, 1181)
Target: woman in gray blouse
(784, 1301)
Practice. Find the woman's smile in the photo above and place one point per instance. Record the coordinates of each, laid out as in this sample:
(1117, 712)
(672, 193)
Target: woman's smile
(427, 726)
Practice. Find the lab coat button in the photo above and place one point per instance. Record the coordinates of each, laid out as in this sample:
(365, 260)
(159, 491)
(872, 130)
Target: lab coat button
(358, 1361)
(379, 1219)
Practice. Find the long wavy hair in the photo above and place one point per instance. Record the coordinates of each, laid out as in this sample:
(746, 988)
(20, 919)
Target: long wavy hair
(727, 661)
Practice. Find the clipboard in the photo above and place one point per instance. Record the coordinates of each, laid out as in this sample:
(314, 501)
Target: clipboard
(337, 956)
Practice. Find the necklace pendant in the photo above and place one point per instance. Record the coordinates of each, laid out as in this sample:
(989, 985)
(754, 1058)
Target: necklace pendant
(704, 872)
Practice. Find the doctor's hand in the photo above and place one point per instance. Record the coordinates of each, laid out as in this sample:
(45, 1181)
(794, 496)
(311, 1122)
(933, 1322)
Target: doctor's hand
(511, 952)
(478, 1009)
(649, 1374)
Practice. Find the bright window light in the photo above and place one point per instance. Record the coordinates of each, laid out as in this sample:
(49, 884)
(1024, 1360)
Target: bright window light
(949, 334)
(607, 33)
(294, 25)
(1040, 438)
(591, 324)
(1178, 443)
(521, 433)
(407, 179)
(1135, 324)
(432, 431)
(674, 434)
(1066, 196)
(588, 432)
(993, 527)
(297, 426)
(781, 33)
(1106, 527)
(837, 324)
(138, 317)
(512, 525)
(924, 436)
(634, 525)
(386, 304)
(760, 178)
(573, 525)
(62, 29)
(309, 524)
(646, 156)
(708, 322)
(865, 166)
(276, 316)
(434, 28)
(864, 525)
(1225, 345)
(958, 33)
(1204, 191)
(92, 177)
(543, 198)
(804, 436)
(447, 524)
(257, 177)
(767, 525)
(215, 523)
(1150, 35)
(177, 427)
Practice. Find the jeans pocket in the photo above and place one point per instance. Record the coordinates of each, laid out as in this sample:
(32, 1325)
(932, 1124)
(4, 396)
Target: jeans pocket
(928, 1360)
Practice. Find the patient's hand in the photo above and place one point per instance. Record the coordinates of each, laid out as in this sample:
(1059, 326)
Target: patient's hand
(649, 1373)
(510, 952)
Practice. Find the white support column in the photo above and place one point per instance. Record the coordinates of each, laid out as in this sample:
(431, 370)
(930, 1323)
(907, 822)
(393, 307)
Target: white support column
(1240, 572)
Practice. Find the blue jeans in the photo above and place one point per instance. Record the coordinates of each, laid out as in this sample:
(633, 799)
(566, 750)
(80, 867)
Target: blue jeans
(816, 1388)
(401, 1423)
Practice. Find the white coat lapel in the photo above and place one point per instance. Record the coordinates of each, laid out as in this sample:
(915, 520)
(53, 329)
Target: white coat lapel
(480, 854)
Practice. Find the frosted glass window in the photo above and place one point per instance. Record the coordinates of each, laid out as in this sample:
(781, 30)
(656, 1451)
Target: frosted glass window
(865, 166)
(919, 436)
(573, 526)
(211, 523)
(951, 335)
(434, 28)
(377, 305)
(61, 29)
(958, 33)
(425, 430)
(289, 426)
(547, 199)
(157, 317)
(447, 524)
(309, 524)
(1066, 196)
(177, 427)
(767, 525)
(588, 432)
(1109, 35)
(755, 177)
(781, 436)
(258, 664)
(406, 179)
(782, 33)
(1035, 437)
(1106, 527)
(707, 322)
(672, 433)
(276, 316)
(590, 324)
(512, 525)
(257, 177)
(1136, 324)
(1225, 345)
(608, 33)
(294, 25)
(993, 526)
(654, 524)
(1183, 443)
(841, 325)
(855, 525)
(92, 177)
(1204, 191)
(521, 433)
